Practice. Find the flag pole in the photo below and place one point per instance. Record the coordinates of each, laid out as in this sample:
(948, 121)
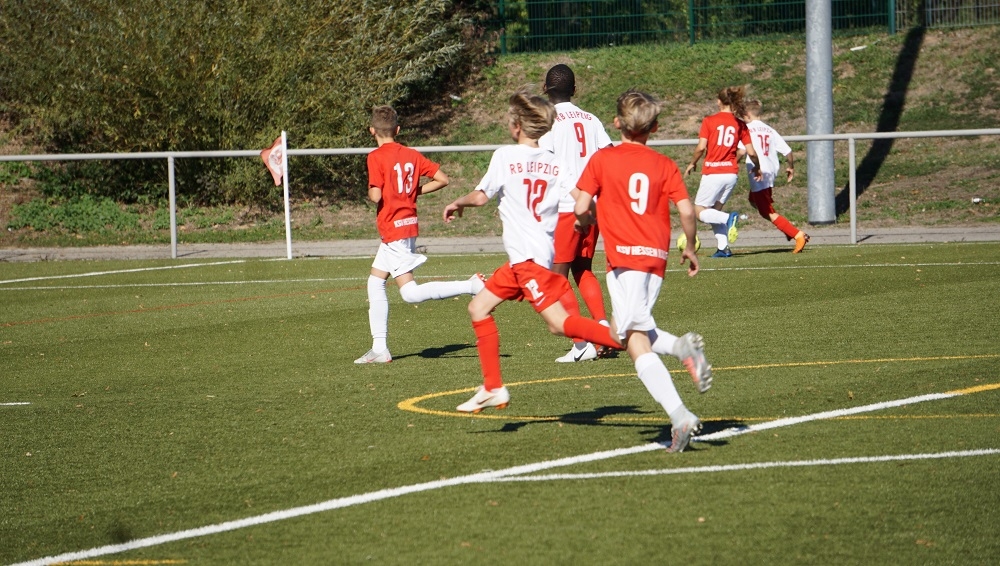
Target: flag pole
(288, 208)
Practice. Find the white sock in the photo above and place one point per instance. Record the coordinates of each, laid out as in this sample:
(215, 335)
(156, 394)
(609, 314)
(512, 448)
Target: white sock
(413, 293)
(721, 236)
(663, 342)
(712, 216)
(655, 376)
(378, 312)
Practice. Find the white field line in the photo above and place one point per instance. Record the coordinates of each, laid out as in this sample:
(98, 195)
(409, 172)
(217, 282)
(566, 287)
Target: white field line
(117, 271)
(446, 276)
(481, 477)
(14, 404)
(754, 466)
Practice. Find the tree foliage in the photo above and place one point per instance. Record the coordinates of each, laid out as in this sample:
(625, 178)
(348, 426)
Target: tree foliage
(146, 75)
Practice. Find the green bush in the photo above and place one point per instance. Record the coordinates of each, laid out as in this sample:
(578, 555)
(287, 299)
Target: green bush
(77, 215)
(145, 75)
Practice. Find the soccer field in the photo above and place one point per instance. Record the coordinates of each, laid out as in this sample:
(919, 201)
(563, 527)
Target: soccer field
(208, 412)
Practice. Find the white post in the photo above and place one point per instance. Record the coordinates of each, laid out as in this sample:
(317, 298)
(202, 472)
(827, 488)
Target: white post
(288, 208)
(853, 182)
(172, 192)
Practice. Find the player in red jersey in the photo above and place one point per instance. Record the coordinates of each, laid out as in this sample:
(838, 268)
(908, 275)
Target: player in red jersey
(635, 185)
(575, 136)
(394, 172)
(718, 142)
(527, 181)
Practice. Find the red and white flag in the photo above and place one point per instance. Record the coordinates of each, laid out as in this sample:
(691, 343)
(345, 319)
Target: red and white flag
(273, 158)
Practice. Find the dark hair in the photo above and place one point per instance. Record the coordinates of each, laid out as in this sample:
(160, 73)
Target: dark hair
(560, 82)
(384, 121)
(732, 96)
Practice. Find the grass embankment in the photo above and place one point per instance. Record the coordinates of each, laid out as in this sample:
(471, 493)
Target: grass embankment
(908, 82)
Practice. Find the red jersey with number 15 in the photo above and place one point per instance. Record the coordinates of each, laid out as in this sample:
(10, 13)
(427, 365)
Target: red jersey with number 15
(634, 186)
(396, 169)
(724, 132)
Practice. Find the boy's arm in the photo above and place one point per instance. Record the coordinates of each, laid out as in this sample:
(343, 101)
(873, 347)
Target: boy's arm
(439, 181)
(375, 194)
(790, 168)
(698, 153)
(685, 209)
(584, 207)
(475, 198)
(752, 154)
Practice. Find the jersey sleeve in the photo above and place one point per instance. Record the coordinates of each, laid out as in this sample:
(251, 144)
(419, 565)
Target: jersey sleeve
(703, 132)
(603, 139)
(426, 167)
(780, 145)
(743, 132)
(374, 171)
(492, 181)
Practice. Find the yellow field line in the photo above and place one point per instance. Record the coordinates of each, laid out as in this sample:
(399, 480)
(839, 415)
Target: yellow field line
(411, 404)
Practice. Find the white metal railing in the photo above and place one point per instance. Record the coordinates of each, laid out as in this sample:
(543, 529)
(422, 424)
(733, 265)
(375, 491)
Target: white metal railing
(171, 156)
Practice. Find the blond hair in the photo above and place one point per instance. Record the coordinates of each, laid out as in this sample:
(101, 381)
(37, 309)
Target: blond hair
(637, 112)
(384, 121)
(533, 113)
(752, 106)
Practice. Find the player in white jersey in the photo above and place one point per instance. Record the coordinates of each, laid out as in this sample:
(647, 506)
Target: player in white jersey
(768, 143)
(527, 180)
(575, 136)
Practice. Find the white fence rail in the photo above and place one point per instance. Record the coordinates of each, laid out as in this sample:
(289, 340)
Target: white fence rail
(172, 156)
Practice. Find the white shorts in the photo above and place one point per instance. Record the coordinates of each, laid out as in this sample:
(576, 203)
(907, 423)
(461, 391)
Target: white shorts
(766, 182)
(633, 294)
(715, 188)
(398, 257)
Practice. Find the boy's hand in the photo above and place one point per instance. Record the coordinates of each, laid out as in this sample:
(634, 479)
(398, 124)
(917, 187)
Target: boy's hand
(689, 255)
(452, 211)
(791, 173)
(757, 174)
(689, 168)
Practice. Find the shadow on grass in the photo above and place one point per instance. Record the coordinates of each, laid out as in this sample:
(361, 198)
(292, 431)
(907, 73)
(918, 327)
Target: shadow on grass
(893, 103)
(595, 417)
(443, 351)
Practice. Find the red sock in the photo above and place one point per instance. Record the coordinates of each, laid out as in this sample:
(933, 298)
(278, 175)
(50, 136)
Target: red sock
(593, 297)
(786, 227)
(569, 302)
(488, 344)
(590, 330)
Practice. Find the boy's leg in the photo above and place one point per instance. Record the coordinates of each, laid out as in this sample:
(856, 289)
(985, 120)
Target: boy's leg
(412, 293)
(582, 350)
(378, 319)
(492, 393)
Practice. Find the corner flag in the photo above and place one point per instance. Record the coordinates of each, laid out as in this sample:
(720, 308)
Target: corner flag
(273, 158)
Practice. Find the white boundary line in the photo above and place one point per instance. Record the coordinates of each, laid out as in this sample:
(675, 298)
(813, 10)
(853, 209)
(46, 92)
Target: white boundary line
(14, 404)
(755, 466)
(493, 476)
(117, 271)
(445, 276)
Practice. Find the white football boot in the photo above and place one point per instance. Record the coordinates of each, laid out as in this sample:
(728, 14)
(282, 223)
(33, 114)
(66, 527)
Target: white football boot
(498, 398)
(577, 355)
(373, 357)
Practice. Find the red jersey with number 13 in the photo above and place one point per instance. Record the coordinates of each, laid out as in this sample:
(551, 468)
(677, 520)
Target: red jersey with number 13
(724, 131)
(634, 186)
(396, 169)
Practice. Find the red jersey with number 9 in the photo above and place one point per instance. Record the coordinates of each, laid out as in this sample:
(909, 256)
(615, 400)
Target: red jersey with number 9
(396, 169)
(724, 132)
(634, 186)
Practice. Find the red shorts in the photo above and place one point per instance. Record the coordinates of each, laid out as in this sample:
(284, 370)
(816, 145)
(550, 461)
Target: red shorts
(763, 202)
(571, 244)
(528, 280)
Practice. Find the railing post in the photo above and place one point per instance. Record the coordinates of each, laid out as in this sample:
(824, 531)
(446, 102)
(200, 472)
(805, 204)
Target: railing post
(503, 28)
(853, 182)
(172, 192)
(892, 17)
